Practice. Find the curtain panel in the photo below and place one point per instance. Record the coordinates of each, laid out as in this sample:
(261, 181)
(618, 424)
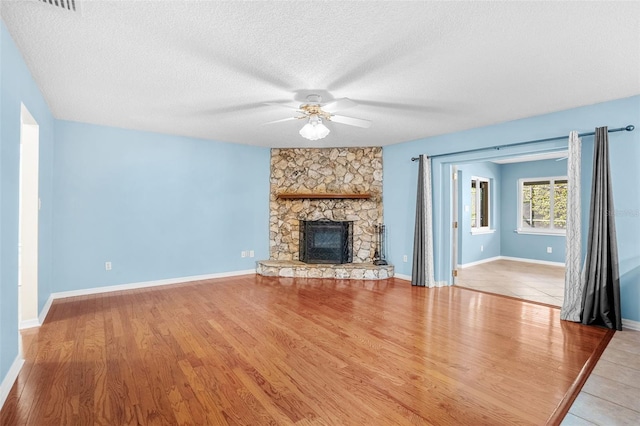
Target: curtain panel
(601, 299)
(422, 273)
(573, 284)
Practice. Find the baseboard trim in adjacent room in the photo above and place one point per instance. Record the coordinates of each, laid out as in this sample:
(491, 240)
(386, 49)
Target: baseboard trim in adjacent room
(521, 259)
(631, 325)
(10, 378)
(479, 262)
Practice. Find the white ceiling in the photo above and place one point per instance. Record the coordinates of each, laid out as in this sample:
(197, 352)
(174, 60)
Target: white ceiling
(417, 69)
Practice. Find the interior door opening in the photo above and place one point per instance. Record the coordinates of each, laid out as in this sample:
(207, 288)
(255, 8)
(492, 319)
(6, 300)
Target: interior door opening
(493, 253)
(29, 206)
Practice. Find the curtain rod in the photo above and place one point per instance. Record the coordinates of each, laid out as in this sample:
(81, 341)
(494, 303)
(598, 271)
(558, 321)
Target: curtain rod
(629, 128)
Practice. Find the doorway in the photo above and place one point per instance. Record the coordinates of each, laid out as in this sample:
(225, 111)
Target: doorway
(500, 249)
(29, 206)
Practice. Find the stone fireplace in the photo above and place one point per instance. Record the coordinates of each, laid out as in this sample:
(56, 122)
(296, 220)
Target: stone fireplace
(325, 184)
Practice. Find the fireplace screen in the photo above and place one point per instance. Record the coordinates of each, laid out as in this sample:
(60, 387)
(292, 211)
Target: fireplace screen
(326, 241)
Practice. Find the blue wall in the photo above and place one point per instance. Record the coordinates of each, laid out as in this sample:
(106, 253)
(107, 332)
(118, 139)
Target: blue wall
(156, 206)
(528, 246)
(474, 248)
(400, 181)
(16, 87)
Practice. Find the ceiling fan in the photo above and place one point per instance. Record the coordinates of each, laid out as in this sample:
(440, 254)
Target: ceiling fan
(314, 113)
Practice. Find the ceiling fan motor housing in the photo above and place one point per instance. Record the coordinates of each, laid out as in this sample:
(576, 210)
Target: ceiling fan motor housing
(314, 109)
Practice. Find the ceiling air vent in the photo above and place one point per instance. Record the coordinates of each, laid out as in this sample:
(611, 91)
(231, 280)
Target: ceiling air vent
(64, 4)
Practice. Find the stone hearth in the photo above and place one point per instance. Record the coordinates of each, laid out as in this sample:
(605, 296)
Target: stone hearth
(346, 271)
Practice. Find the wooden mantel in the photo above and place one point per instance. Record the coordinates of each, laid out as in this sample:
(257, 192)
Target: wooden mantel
(320, 195)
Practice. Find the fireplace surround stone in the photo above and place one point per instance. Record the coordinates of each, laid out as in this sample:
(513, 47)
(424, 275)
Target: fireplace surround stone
(321, 171)
(343, 184)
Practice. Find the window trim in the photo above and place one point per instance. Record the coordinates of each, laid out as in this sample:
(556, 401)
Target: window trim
(482, 229)
(544, 231)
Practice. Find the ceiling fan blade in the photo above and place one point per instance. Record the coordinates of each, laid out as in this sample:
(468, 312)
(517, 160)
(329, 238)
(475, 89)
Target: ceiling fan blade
(288, 105)
(280, 121)
(338, 105)
(402, 106)
(358, 122)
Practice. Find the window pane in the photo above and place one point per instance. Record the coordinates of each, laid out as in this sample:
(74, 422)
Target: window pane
(560, 204)
(484, 203)
(539, 197)
(526, 214)
(473, 203)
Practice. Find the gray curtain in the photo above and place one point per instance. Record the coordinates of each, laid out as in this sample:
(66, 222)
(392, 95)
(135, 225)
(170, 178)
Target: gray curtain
(601, 299)
(422, 271)
(573, 284)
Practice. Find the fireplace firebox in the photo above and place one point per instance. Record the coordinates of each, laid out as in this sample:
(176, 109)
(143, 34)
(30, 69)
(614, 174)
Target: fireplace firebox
(326, 241)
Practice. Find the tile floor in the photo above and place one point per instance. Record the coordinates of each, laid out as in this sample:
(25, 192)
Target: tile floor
(529, 281)
(611, 395)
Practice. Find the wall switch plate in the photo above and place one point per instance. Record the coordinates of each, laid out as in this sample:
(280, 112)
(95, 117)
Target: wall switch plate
(243, 254)
(481, 248)
(404, 258)
(549, 250)
(251, 253)
(107, 266)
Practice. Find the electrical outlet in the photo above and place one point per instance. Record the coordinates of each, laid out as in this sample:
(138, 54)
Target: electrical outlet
(549, 250)
(481, 248)
(404, 258)
(243, 254)
(251, 253)
(107, 266)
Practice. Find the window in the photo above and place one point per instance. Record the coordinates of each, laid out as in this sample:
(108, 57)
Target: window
(543, 205)
(480, 204)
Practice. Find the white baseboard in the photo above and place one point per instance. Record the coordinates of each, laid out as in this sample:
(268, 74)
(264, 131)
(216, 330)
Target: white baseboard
(631, 325)
(408, 278)
(539, 262)
(45, 310)
(515, 259)
(10, 378)
(35, 322)
(133, 286)
(144, 284)
(479, 262)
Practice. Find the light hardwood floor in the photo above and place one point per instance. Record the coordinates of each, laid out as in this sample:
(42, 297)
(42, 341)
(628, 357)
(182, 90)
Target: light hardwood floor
(611, 395)
(255, 350)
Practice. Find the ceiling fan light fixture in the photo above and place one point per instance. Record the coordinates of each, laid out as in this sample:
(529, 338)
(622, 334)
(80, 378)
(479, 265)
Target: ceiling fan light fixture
(314, 129)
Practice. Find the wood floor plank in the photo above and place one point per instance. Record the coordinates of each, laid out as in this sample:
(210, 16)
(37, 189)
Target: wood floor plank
(261, 350)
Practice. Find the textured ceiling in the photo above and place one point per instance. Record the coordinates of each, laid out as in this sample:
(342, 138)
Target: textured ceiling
(417, 69)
